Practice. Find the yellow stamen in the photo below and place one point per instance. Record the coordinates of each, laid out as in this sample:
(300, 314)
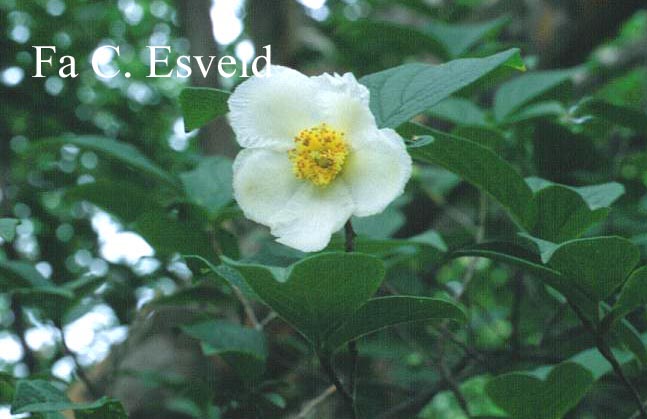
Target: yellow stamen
(319, 154)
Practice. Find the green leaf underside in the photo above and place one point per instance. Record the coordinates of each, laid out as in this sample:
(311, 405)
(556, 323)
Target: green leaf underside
(542, 394)
(379, 313)
(318, 293)
(8, 228)
(514, 94)
(481, 167)
(201, 105)
(119, 151)
(400, 93)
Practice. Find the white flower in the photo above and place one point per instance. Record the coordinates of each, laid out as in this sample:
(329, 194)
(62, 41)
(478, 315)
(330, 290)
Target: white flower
(312, 155)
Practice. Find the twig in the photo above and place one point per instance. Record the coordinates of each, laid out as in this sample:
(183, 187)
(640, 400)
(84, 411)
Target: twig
(352, 345)
(80, 372)
(309, 406)
(607, 353)
(453, 386)
(271, 316)
(328, 368)
(249, 311)
(515, 315)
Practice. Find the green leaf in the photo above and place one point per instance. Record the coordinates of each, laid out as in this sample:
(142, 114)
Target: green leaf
(169, 236)
(429, 243)
(243, 348)
(481, 167)
(459, 111)
(597, 265)
(380, 36)
(227, 275)
(379, 313)
(539, 395)
(40, 396)
(202, 104)
(460, 38)
(318, 293)
(517, 255)
(595, 196)
(14, 274)
(632, 295)
(400, 93)
(210, 184)
(562, 214)
(518, 92)
(537, 111)
(8, 228)
(119, 151)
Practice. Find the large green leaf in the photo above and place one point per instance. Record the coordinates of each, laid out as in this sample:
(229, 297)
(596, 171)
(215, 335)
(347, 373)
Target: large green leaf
(543, 394)
(562, 214)
(457, 39)
(597, 265)
(400, 93)
(202, 104)
(318, 293)
(8, 228)
(514, 94)
(210, 184)
(40, 396)
(595, 196)
(481, 167)
(243, 348)
(119, 151)
(459, 111)
(517, 255)
(379, 313)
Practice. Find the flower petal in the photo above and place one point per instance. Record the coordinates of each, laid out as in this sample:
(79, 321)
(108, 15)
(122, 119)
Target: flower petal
(344, 104)
(263, 183)
(377, 171)
(270, 111)
(312, 216)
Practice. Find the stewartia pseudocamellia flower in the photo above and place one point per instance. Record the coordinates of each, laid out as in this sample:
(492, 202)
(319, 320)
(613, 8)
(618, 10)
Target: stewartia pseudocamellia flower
(312, 155)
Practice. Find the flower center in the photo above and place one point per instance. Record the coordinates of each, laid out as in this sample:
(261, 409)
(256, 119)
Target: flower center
(319, 154)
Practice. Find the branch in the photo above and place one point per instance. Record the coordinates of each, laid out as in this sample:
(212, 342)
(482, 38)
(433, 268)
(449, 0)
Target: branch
(328, 368)
(308, 407)
(607, 353)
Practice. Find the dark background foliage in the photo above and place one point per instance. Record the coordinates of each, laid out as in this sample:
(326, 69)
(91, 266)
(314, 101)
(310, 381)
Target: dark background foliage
(103, 225)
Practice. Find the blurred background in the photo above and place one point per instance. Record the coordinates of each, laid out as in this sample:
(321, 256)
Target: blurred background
(113, 235)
